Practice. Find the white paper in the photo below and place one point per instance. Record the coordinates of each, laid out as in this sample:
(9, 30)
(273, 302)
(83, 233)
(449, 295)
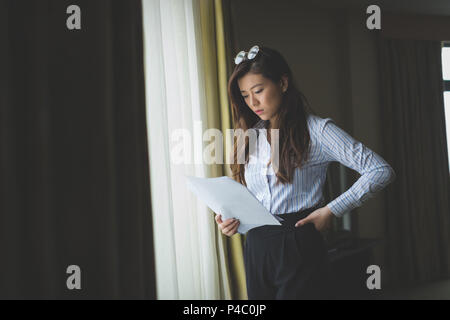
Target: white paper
(231, 199)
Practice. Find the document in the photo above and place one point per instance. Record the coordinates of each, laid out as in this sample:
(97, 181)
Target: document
(231, 199)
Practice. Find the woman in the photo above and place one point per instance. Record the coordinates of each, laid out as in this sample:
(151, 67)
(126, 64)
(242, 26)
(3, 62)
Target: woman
(290, 261)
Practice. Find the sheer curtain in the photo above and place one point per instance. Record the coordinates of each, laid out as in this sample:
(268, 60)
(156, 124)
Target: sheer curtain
(186, 253)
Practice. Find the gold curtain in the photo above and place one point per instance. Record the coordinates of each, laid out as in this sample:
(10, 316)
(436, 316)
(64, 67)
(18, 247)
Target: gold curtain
(230, 250)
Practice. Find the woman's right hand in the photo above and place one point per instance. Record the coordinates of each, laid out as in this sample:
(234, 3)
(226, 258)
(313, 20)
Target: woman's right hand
(229, 226)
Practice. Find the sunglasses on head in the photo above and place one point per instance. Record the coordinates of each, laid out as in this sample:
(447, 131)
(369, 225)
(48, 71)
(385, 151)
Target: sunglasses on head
(241, 56)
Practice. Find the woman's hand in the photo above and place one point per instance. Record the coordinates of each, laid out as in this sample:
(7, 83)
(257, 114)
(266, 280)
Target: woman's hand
(321, 218)
(229, 226)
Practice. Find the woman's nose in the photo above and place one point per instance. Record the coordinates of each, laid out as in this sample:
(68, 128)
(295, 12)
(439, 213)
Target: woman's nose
(254, 102)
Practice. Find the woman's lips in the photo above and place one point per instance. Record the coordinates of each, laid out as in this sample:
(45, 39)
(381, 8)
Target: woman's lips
(259, 111)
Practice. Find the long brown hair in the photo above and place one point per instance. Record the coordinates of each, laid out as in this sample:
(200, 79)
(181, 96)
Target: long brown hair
(292, 116)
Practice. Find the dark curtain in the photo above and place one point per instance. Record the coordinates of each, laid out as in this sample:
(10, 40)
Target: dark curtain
(74, 173)
(418, 209)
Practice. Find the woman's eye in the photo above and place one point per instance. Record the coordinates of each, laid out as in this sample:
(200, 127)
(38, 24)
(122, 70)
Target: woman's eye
(245, 97)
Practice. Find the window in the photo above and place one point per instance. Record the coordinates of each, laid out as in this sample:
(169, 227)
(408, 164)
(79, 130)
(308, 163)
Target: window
(446, 77)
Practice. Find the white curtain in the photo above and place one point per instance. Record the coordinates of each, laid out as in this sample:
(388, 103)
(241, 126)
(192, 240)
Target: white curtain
(187, 259)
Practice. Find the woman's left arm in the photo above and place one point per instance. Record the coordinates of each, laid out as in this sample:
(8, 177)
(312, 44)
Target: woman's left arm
(376, 173)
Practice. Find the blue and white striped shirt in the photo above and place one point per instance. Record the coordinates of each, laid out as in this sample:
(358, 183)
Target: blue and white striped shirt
(328, 143)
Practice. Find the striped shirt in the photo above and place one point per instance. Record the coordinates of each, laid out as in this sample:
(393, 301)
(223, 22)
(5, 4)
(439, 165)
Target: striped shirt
(328, 143)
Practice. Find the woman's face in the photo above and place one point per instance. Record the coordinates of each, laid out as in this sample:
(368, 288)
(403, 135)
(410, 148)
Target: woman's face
(262, 95)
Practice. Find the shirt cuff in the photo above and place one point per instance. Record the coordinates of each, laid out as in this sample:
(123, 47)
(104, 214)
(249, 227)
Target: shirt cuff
(341, 205)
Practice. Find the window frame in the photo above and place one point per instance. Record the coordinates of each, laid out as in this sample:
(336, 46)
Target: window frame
(446, 44)
(446, 88)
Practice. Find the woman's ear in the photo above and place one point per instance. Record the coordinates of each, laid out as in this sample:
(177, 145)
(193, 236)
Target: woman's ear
(284, 83)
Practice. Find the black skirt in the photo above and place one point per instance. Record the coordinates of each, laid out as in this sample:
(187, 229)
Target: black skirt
(287, 262)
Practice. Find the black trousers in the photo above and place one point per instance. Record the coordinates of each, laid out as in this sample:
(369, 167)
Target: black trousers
(287, 262)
